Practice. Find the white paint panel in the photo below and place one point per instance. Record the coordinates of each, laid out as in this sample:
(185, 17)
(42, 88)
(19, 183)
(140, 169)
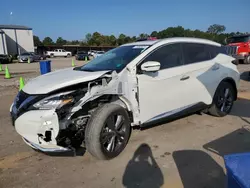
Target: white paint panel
(3, 47)
(19, 41)
(10, 41)
(59, 79)
(164, 91)
(25, 40)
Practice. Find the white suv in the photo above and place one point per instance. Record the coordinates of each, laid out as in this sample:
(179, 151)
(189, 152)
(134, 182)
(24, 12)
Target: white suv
(136, 84)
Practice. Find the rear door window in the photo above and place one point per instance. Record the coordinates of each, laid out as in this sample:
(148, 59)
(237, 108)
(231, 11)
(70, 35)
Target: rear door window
(195, 53)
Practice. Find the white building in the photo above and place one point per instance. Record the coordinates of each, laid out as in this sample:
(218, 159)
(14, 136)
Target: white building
(3, 46)
(15, 39)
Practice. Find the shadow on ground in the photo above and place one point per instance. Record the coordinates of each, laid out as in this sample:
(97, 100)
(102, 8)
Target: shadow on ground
(237, 141)
(245, 76)
(241, 108)
(142, 170)
(198, 169)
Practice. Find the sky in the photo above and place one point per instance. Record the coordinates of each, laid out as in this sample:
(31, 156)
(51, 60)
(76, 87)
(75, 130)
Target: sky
(73, 19)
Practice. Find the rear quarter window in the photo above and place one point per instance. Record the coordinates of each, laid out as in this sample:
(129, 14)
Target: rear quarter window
(216, 50)
(195, 53)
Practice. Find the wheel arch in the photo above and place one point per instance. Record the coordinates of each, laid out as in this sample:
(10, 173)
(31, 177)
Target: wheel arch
(232, 82)
(113, 99)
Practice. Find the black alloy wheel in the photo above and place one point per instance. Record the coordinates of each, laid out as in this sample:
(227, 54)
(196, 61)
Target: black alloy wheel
(113, 133)
(224, 98)
(108, 131)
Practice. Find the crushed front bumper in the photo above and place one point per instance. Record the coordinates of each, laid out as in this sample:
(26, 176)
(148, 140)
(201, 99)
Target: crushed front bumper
(39, 129)
(48, 148)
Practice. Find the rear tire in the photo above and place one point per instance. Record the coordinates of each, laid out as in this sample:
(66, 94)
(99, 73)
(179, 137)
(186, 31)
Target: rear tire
(108, 131)
(223, 100)
(51, 55)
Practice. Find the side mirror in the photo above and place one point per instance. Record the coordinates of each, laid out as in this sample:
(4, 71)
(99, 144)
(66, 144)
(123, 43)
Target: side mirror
(150, 66)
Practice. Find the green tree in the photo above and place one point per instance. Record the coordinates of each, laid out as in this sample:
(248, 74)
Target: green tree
(133, 38)
(47, 41)
(154, 34)
(96, 39)
(73, 42)
(60, 41)
(121, 39)
(88, 37)
(112, 40)
(143, 35)
(216, 29)
(37, 41)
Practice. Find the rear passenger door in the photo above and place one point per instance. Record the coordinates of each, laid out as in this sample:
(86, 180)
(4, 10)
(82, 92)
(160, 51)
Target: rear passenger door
(202, 70)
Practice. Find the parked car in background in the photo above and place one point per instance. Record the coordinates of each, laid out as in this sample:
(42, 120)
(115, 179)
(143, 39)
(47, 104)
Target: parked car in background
(58, 53)
(32, 56)
(92, 52)
(4, 58)
(136, 84)
(98, 53)
(25, 56)
(241, 44)
(38, 56)
(81, 55)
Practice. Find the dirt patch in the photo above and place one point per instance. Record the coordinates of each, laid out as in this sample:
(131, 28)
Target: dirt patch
(12, 161)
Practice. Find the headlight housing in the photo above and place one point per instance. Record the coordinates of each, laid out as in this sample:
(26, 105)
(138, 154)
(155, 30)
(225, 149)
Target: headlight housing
(55, 101)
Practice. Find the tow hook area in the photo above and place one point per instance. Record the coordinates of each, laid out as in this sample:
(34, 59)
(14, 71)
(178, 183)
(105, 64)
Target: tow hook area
(46, 137)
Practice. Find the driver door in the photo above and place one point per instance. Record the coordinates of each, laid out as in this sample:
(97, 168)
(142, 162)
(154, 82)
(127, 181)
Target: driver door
(165, 92)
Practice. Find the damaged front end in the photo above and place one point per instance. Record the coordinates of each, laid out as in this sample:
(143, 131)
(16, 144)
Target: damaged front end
(56, 121)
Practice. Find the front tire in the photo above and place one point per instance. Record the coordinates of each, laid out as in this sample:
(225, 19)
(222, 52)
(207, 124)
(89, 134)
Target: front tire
(223, 100)
(108, 131)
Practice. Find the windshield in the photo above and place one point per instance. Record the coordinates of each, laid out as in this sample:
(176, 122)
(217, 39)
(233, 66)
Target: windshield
(238, 39)
(115, 59)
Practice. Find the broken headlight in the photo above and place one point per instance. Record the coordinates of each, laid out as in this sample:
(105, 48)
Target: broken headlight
(55, 101)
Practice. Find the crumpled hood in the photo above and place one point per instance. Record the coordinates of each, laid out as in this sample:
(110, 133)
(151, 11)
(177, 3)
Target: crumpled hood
(59, 79)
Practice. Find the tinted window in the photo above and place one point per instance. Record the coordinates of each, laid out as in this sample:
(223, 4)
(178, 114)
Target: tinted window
(169, 56)
(215, 50)
(194, 53)
(238, 39)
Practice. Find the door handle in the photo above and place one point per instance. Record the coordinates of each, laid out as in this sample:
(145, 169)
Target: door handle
(184, 78)
(215, 67)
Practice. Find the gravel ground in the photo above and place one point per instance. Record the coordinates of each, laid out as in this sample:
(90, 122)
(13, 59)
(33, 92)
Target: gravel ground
(184, 153)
